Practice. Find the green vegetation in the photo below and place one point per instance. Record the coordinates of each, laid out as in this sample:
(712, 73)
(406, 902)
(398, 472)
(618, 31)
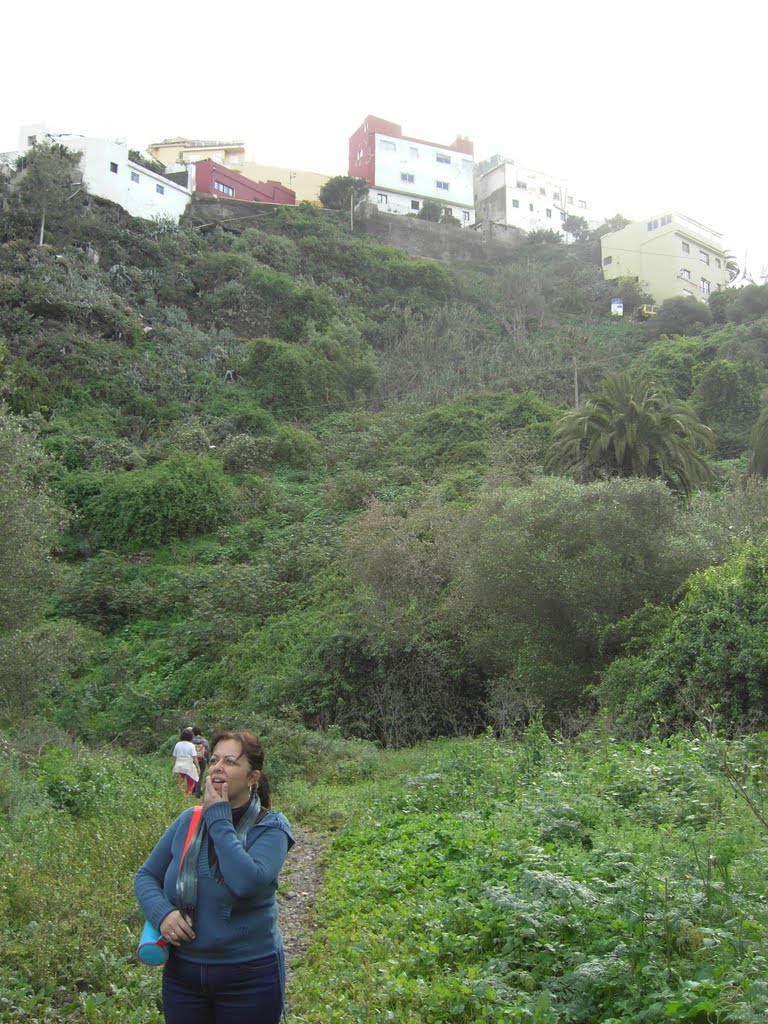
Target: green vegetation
(548, 882)
(289, 466)
(286, 477)
(468, 881)
(630, 429)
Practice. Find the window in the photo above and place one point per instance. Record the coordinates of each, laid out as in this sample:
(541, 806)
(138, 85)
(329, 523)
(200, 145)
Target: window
(442, 185)
(686, 249)
(582, 204)
(687, 292)
(135, 177)
(542, 191)
(516, 203)
(414, 152)
(570, 200)
(465, 216)
(705, 287)
(414, 204)
(381, 198)
(652, 225)
(221, 187)
(160, 189)
(607, 261)
(555, 195)
(666, 219)
(386, 144)
(685, 274)
(530, 207)
(703, 257)
(522, 184)
(407, 177)
(113, 167)
(31, 140)
(718, 264)
(548, 213)
(562, 216)
(442, 158)
(360, 153)
(448, 211)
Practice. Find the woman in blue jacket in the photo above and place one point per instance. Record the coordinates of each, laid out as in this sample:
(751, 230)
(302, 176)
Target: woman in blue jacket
(218, 914)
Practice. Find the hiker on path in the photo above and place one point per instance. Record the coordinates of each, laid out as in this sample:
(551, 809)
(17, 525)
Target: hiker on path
(219, 913)
(185, 764)
(203, 753)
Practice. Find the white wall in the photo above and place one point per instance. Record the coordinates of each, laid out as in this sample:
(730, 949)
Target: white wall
(529, 194)
(109, 173)
(398, 160)
(389, 201)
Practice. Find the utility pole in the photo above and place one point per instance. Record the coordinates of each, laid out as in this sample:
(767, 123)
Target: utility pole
(576, 382)
(352, 209)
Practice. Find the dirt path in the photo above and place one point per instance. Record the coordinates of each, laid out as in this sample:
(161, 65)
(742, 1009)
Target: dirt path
(300, 883)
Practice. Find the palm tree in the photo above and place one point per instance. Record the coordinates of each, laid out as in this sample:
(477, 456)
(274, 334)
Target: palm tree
(630, 428)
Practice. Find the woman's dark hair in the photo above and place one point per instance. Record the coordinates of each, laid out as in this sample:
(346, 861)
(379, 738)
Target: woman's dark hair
(254, 751)
(186, 734)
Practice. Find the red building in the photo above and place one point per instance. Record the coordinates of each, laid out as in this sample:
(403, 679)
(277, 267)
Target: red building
(404, 173)
(218, 180)
(362, 146)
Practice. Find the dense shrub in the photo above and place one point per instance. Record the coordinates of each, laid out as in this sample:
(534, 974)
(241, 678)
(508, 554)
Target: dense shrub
(181, 497)
(709, 649)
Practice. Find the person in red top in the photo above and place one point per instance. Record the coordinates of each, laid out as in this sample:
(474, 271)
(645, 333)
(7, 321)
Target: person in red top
(185, 765)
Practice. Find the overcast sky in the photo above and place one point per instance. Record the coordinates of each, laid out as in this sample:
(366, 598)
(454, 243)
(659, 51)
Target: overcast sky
(644, 107)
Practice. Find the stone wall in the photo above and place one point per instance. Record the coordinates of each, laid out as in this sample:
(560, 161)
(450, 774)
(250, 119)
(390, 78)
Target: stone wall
(450, 244)
(484, 243)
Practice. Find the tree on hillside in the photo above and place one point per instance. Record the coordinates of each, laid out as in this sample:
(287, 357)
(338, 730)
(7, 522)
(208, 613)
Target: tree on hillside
(28, 522)
(544, 236)
(338, 192)
(577, 227)
(615, 223)
(436, 213)
(680, 315)
(727, 398)
(707, 649)
(630, 428)
(34, 653)
(46, 192)
(430, 210)
(759, 464)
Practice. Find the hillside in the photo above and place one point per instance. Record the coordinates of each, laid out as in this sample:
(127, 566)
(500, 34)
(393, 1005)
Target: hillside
(286, 478)
(286, 467)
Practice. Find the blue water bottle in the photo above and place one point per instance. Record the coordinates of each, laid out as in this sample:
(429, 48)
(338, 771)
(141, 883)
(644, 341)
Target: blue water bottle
(152, 950)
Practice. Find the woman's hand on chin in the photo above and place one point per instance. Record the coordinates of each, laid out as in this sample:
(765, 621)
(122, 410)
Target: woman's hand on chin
(214, 795)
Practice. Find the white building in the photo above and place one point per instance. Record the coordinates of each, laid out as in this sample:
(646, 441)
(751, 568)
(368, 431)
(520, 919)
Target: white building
(109, 174)
(403, 171)
(508, 193)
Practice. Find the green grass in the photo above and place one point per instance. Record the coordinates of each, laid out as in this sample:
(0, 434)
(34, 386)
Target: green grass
(469, 881)
(586, 883)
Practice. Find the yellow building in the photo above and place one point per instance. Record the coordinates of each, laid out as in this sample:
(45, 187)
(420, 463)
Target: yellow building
(180, 151)
(670, 255)
(171, 152)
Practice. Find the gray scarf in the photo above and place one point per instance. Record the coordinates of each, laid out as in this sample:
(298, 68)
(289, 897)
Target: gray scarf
(186, 884)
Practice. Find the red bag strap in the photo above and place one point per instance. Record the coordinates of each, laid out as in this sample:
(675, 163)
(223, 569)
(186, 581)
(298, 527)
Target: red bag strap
(194, 821)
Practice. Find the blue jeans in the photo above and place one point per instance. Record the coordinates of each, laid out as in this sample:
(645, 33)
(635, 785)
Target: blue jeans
(246, 993)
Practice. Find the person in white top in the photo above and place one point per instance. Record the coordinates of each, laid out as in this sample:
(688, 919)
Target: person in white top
(186, 766)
